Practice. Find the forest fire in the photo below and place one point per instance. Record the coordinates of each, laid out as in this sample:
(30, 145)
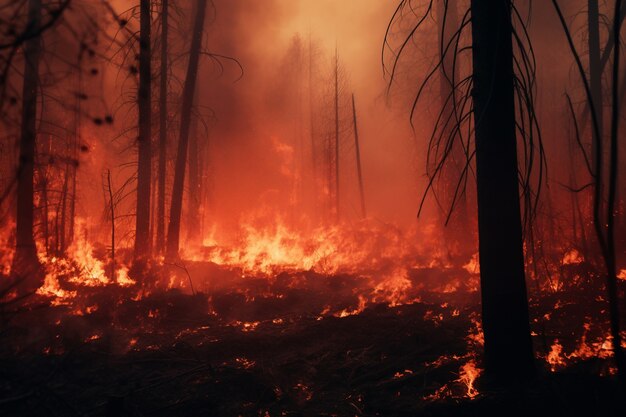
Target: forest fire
(209, 208)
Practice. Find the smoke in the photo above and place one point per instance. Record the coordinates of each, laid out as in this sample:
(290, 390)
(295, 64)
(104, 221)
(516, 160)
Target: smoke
(259, 113)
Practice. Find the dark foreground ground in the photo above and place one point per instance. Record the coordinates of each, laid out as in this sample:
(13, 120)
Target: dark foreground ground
(230, 354)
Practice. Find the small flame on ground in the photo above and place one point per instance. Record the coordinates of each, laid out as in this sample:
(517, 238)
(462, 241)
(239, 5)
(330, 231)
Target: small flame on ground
(469, 373)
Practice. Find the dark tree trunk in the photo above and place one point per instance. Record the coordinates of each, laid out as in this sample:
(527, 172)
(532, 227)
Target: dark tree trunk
(595, 71)
(144, 168)
(337, 213)
(195, 189)
(357, 148)
(160, 234)
(508, 345)
(75, 143)
(25, 262)
(173, 230)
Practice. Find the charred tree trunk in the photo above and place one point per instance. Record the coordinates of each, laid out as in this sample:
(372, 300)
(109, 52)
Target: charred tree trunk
(508, 346)
(173, 230)
(144, 168)
(64, 197)
(75, 143)
(337, 213)
(160, 234)
(112, 213)
(610, 253)
(25, 262)
(195, 190)
(357, 148)
(595, 71)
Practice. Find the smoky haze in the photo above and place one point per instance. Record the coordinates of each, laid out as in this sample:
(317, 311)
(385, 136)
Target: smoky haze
(260, 123)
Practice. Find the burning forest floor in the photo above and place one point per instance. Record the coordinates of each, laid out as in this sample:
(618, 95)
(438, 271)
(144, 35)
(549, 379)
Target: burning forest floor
(390, 342)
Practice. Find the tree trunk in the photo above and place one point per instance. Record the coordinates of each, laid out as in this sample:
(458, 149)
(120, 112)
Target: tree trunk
(337, 214)
(357, 148)
(195, 190)
(508, 346)
(144, 164)
(173, 230)
(25, 262)
(160, 235)
(595, 72)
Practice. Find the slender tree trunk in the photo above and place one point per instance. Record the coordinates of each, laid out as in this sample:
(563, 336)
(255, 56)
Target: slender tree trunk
(610, 256)
(357, 148)
(312, 132)
(160, 235)
(25, 262)
(144, 168)
(173, 231)
(508, 346)
(42, 185)
(595, 71)
(64, 197)
(112, 213)
(74, 155)
(337, 213)
(195, 191)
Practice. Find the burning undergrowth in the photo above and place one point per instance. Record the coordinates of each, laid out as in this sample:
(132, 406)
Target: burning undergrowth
(343, 322)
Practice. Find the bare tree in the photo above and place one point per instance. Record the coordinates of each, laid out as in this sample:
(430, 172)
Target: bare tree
(25, 262)
(144, 163)
(160, 234)
(488, 97)
(173, 230)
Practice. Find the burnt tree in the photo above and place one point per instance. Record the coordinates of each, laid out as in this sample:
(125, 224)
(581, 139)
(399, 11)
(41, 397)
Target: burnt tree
(508, 346)
(25, 262)
(144, 163)
(160, 234)
(595, 70)
(173, 230)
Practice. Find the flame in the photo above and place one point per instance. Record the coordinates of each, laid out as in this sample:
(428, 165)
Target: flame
(275, 247)
(473, 266)
(8, 248)
(555, 357)
(572, 257)
(469, 373)
(358, 310)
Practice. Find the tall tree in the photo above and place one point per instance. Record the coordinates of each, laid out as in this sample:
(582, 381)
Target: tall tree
(144, 163)
(595, 69)
(160, 234)
(173, 230)
(508, 345)
(195, 184)
(336, 143)
(357, 149)
(25, 262)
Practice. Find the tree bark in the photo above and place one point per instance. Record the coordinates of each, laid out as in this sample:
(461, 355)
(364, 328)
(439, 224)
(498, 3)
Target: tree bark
(357, 148)
(195, 189)
(144, 163)
(173, 230)
(160, 235)
(337, 212)
(595, 72)
(508, 345)
(25, 262)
